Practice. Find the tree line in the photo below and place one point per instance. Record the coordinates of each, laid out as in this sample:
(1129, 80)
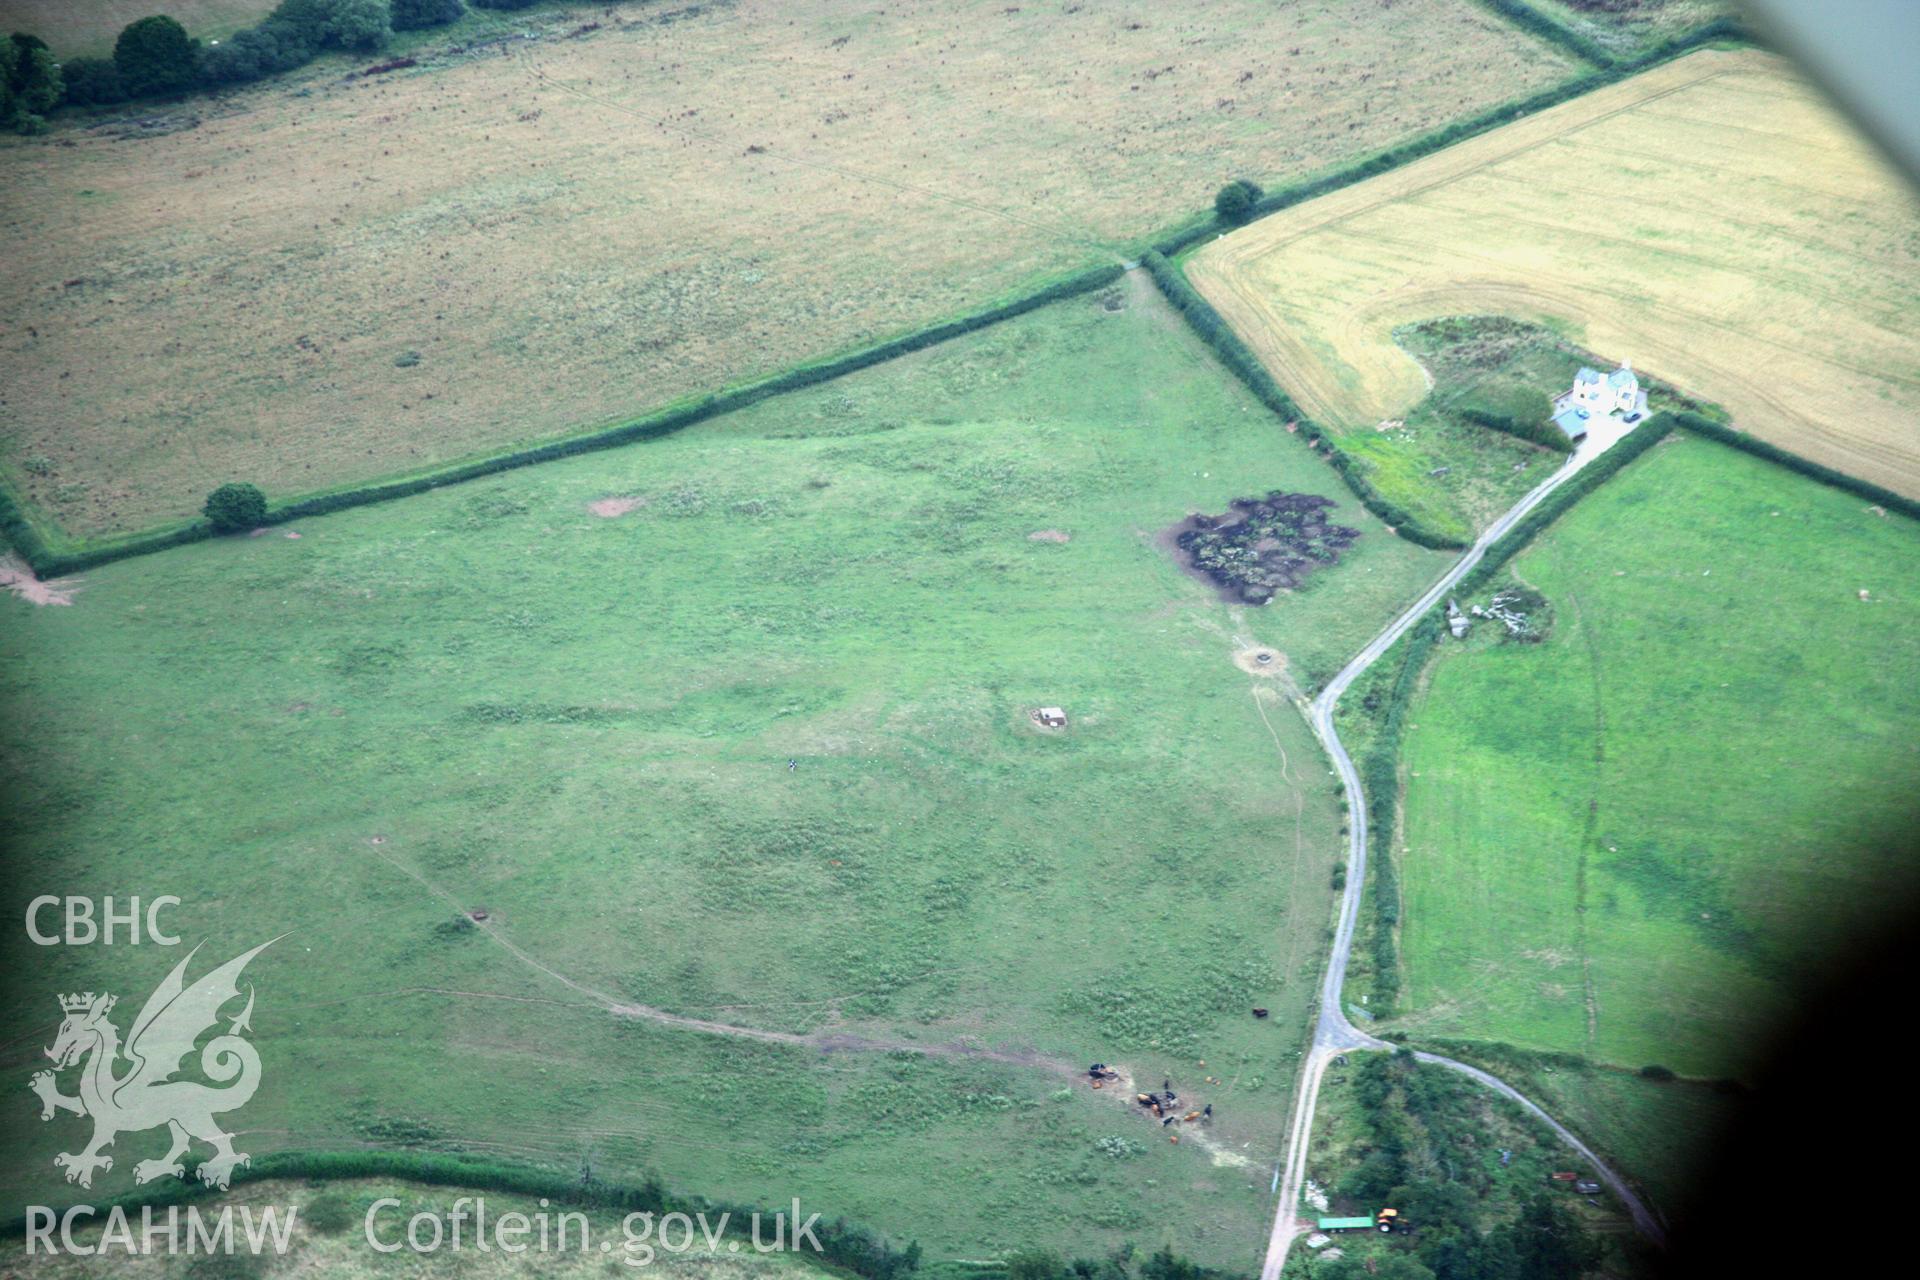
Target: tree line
(1422, 1152)
(155, 57)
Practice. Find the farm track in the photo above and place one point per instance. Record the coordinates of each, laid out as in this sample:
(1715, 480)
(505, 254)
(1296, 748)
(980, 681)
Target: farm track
(1334, 1033)
(824, 1041)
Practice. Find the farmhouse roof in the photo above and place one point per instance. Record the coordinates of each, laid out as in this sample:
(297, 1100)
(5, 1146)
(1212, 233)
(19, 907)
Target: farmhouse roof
(1623, 376)
(1586, 375)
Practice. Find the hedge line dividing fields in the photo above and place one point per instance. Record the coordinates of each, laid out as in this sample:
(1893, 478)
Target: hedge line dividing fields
(789, 237)
(1247, 367)
(50, 556)
(51, 553)
(1380, 771)
(1193, 231)
(844, 1246)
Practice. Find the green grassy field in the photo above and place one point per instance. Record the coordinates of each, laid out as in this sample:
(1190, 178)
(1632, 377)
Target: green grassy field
(1633, 840)
(490, 696)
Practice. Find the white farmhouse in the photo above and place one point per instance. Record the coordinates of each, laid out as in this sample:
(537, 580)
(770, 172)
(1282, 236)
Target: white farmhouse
(1615, 395)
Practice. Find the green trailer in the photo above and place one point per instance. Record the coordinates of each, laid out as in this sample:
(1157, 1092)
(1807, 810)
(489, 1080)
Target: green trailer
(1345, 1224)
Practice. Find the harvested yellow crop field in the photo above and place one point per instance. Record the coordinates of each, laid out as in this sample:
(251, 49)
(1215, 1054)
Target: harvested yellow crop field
(327, 280)
(1712, 220)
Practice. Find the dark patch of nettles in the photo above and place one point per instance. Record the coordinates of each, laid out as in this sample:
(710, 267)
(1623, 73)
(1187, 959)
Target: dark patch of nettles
(1263, 546)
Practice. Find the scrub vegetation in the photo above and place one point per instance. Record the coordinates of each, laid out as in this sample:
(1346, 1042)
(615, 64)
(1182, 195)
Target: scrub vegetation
(1468, 1170)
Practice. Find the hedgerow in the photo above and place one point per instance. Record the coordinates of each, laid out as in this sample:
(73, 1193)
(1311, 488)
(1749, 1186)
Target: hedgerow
(1740, 440)
(1192, 230)
(1544, 434)
(1380, 774)
(23, 536)
(844, 1245)
(1728, 29)
(49, 562)
(1380, 786)
(1190, 233)
(1529, 19)
(1585, 481)
(1246, 366)
(1241, 361)
(841, 1243)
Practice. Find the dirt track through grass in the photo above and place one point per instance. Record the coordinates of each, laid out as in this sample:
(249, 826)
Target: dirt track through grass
(584, 724)
(1710, 220)
(327, 281)
(827, 1041)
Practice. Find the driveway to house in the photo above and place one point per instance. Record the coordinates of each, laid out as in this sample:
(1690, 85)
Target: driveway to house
(1334, 1034)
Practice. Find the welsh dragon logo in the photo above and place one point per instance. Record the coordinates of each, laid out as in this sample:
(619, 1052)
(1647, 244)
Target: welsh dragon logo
(146, 1095)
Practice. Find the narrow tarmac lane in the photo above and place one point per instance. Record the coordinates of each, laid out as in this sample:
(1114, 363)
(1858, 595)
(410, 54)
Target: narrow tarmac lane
(1334, 1034)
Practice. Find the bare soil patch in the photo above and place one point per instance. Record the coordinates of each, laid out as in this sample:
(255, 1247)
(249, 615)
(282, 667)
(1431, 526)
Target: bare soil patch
(614, 508)
(1050, 535)
(16, 577)
(1261, 661)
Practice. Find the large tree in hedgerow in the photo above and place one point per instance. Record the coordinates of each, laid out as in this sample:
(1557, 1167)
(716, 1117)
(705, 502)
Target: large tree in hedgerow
(234, 508)
(29, 83)
(154, 55)
(1236, 201)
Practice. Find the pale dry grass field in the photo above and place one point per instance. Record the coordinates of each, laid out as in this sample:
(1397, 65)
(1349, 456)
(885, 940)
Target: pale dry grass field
(1712, 220)
(327, 280)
